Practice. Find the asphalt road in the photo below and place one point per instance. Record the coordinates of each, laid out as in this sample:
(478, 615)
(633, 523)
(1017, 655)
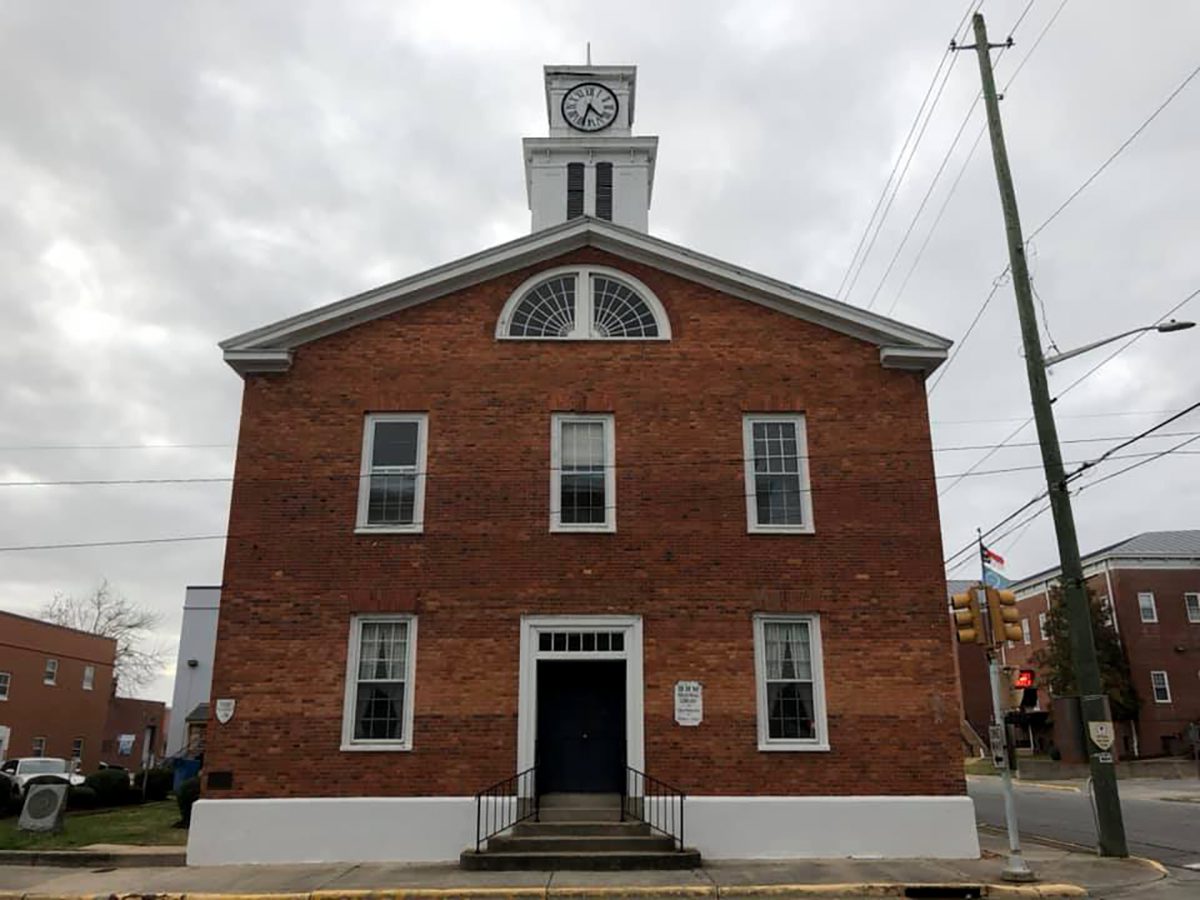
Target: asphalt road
(1156, 828)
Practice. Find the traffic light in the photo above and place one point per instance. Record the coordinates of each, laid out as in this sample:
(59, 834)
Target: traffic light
(1025, 687)
(1006, 618)
(968, 622)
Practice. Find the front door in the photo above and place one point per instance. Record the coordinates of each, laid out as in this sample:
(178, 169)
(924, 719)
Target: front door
(581, 725)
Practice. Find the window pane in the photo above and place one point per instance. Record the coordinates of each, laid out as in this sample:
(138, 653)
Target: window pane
(617, 311)
(777, 490)
(790, 710)
(383, 650)
(618, 640)
(582, 479)
(544, 639)
(547, 310)
(789, 652)
(395, 444)
(392, 500)
(379, 712)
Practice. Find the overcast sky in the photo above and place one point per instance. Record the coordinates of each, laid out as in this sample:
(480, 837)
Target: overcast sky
(174, 174)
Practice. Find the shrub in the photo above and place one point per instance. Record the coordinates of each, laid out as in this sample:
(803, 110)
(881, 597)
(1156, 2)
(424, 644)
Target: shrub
(158, 783)
(81, 797)
(111, 787)
(1055, 754)
(188, 793)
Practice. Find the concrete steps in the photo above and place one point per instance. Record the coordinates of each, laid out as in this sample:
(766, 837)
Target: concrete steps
(580, 832)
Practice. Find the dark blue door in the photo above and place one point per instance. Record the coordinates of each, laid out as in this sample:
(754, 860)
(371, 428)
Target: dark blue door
(581, 725)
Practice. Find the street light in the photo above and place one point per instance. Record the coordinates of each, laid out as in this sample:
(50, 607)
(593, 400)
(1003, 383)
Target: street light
(1165, 328)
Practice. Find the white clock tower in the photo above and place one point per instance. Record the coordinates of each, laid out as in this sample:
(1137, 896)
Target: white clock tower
(591, 164)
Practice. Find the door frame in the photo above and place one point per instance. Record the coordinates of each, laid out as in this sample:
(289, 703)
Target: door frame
(531, 628)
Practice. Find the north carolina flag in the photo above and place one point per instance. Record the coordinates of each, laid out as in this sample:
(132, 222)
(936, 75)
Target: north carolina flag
(992, 563)
(991, 557)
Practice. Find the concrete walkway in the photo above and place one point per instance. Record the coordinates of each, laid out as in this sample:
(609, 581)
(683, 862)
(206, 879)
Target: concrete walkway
(1062, 873)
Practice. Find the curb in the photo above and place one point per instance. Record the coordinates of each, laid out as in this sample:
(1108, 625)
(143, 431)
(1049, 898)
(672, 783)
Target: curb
(90, 859)
(840, 890)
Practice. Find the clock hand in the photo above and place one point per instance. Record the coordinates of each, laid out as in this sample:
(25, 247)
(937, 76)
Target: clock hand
(592, 109)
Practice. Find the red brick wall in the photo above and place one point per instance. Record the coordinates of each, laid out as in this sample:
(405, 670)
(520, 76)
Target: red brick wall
(63, 711)
(139, 718)
(1171, 645)
(681, 557)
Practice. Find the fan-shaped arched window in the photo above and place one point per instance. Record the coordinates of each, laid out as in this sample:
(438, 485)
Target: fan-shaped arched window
(584, 304)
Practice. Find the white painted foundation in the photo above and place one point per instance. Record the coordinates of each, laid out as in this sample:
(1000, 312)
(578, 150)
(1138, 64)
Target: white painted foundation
(436, 829)
(330, 829)
(831, 827)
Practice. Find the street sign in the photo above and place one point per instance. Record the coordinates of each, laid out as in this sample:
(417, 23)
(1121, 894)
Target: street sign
(996, 738)
(1102, 733)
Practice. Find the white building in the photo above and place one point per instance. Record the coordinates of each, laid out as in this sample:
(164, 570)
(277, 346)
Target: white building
(194, 666)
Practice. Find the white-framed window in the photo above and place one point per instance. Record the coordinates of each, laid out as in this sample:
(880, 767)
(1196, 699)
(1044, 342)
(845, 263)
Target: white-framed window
(1026, 637)
(5, 681)
(50, 673)
(1161, 685)
(380, 666)
(790, 680)
(778, 497)
(1192, 603)
(583, 303)
(77, 749)
(1147, 608)
(39, 746)
(1042, 626)
(89, 677)
(583, 474)
(391, 490)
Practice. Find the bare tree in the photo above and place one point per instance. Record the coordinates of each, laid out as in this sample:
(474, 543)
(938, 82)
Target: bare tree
(110, 614)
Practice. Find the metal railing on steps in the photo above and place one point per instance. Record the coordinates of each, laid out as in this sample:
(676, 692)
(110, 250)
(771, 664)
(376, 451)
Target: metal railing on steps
(502, 805)
(650, 800)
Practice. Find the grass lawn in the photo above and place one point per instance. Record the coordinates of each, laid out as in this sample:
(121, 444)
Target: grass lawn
(147, 824)
(977, 766)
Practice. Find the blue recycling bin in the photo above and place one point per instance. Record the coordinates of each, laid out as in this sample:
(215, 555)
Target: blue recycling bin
(184, 769)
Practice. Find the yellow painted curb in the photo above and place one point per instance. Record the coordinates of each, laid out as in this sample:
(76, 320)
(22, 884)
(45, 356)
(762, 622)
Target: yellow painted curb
(649, 890)
(1152, 863)
(1050, 786)
(814, 890)
(491, 893)
(1034, 890)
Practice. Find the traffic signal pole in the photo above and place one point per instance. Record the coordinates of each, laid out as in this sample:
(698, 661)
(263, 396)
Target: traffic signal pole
(1093, 701)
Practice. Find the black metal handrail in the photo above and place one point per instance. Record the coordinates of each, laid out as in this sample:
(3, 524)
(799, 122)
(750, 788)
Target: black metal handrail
(650, 800)
(502, 805)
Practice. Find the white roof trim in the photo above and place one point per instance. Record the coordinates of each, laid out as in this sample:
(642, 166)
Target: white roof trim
(902, 346)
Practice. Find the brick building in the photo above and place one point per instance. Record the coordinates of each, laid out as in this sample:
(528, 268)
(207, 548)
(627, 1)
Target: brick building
(1151, 583)
(494, 515)
(54, 688)
(134, 732)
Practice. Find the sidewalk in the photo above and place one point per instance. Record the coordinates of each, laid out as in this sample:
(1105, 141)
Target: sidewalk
(1062, 873)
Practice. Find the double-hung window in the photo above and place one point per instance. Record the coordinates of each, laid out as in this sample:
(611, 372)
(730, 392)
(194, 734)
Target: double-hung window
(583, 484)
(778, 498)
(39, 746)
(790, 683)
(50, 673)
(378, 711)
(1042, 626)
(1147, 608)
(391, 490)
(89, 677)
(1161, 685)
(5, 681)
(1192, 602)
(1026, 637)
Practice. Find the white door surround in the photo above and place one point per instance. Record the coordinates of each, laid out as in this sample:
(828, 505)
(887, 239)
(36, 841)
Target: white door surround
(532, 630)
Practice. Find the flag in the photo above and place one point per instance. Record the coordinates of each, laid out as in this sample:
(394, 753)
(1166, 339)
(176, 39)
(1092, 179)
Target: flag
(992, 563)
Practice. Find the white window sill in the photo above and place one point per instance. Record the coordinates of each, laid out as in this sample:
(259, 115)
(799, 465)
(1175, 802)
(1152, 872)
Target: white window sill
(584, 529)
(376, 746)
(1162, 702)
(792, 747)
(780, 529)
(389, 529)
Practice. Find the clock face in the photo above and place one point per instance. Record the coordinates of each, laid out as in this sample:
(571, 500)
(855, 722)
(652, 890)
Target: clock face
(589, 107)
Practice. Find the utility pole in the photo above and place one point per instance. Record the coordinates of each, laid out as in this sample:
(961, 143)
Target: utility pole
(1093, 701)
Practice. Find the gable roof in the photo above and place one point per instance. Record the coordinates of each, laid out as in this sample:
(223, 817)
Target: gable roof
(270, 348)
(1147, 545)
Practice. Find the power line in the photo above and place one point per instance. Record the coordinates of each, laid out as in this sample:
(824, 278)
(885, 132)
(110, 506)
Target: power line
(1104, 165)
(1137, 437)
(913, 130)
(1176, 449)
(738, 461)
